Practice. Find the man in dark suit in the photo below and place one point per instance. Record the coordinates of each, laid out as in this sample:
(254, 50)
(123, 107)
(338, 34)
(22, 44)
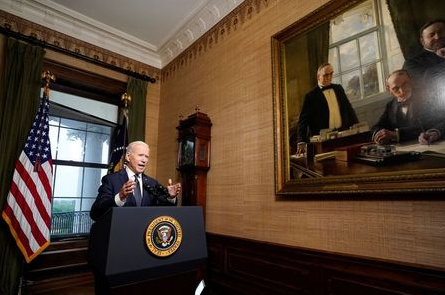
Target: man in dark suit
(130, 187)
(432, 38)
(407, 116)
(325, 106)
(123, 189)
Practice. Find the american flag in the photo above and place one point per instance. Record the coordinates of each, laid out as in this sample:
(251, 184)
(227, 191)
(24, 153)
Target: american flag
(116, 162)
(28, 207)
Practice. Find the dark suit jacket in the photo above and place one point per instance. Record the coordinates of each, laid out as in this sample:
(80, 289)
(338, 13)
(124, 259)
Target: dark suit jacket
(315, 112)
(418, 65)
(418, 118)
(111, 185)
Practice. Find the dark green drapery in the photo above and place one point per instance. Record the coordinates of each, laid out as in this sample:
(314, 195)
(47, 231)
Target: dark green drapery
(19, 101)
(408, 16)
(318, 49)
(137, 89)
(303, 55)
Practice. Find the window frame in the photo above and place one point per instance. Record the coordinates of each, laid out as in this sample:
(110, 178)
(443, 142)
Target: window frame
(383, 60)
(86, 84)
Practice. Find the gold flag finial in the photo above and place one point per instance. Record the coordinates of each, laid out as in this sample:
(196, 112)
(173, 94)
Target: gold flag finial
(126, 98)
(48, 77)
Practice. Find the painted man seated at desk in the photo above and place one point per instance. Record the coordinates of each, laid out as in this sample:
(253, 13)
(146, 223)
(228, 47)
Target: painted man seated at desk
(408, 115)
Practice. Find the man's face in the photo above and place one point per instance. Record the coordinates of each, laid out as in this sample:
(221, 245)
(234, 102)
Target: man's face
(324, 76)
(433, 37)
(137, 158)
(400, 86)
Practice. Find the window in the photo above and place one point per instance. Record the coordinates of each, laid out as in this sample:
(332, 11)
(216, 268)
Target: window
(80, 146)
(359, 52)
(83, 115)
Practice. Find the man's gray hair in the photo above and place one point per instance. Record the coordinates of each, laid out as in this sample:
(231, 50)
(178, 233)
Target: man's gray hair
(398, 73)
(131, 145)
(325, 64)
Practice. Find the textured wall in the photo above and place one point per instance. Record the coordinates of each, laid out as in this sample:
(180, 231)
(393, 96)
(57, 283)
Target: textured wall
(229, 77)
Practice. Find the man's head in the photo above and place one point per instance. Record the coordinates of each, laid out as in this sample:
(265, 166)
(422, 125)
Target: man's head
(324, 74)
(137, 156)
(400, 84)
(432, 35)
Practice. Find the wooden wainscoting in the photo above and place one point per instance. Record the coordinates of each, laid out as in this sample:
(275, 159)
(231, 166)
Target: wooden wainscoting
(240, 266)
(61, 269)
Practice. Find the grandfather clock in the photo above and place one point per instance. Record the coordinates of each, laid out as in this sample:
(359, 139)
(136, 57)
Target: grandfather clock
(194, 158)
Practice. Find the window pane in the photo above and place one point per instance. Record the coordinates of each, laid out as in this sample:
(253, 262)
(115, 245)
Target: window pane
(369, 49)
(73, 124)
(68, 181)
(97, 148)
(54, 121)
(91, 181)
(333, 59)
(372, 81)
(99, 128)
(71, 144)
(63, 205)
(353, 22)
(87, 203)
(349, 56)
(96, 108)
(351, 83)
(53, 139)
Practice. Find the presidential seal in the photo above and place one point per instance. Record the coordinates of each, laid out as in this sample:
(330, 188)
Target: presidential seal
(163, 236)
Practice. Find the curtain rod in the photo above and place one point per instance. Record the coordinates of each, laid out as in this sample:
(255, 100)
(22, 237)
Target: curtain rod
(35, 41)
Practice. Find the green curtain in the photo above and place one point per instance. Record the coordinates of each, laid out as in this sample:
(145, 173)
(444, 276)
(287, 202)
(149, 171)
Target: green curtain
(318, 49)
(137, 89)
(408, 16)
(20, 90)
(303, 55)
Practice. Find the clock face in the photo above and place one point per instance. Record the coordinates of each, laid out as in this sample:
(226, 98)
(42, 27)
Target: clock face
(187, 150)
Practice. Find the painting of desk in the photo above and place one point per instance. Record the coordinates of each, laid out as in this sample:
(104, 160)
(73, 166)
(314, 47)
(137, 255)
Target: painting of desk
(432, 157)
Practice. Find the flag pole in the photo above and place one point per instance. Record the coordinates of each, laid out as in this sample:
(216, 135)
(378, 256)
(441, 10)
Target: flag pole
(126, 98)
(47, 76)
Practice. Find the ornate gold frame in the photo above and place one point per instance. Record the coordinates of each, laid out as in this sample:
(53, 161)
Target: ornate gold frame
(386, 183)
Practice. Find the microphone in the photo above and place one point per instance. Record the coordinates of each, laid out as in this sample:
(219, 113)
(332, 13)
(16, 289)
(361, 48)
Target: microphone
(159, 192)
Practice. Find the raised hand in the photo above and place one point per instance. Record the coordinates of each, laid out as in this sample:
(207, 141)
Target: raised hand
(173, 189)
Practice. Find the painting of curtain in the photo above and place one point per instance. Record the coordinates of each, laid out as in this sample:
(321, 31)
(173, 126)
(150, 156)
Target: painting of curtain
(303, 57)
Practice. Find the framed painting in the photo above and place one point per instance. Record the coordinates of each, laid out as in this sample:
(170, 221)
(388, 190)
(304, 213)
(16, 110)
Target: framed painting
(364, 41)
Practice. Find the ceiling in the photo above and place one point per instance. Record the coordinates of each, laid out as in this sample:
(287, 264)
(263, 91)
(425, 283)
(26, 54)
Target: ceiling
(150, 31)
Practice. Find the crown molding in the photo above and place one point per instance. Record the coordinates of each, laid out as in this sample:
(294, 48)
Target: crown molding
(211, 13)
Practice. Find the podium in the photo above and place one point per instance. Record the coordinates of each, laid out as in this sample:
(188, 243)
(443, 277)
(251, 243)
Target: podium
(119, 250)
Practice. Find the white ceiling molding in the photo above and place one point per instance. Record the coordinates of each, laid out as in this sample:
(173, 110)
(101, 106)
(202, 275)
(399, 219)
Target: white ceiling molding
(59, 18)
(210, 14)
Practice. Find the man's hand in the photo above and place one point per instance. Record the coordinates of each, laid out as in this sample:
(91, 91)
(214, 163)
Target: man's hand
(173, 189)
(384, 136)
(127, 188)
(301, 149)
(428, 137)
